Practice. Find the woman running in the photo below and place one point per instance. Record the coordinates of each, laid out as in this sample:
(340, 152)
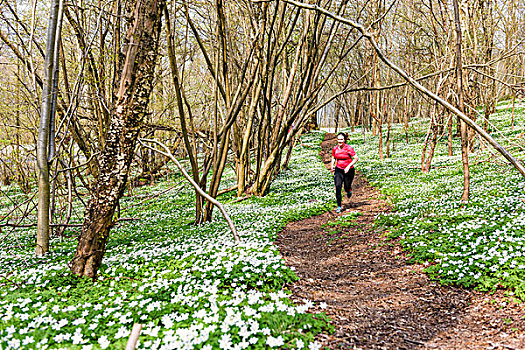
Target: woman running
(343, 159)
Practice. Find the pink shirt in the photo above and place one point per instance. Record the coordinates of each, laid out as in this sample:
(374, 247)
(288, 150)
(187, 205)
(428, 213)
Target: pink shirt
(343, 155)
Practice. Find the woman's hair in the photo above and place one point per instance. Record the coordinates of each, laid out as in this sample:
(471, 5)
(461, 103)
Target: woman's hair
(344, 135)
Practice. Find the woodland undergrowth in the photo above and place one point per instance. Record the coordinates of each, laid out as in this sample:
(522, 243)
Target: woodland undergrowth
(190, 286)
(479, 244)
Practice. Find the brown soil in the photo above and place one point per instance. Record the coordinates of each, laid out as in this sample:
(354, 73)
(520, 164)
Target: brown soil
(376, 299)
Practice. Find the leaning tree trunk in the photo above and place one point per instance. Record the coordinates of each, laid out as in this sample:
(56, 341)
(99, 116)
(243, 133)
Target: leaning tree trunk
(136, 82)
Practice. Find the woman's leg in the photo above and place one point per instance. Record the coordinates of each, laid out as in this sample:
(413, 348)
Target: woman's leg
(348, 179)
(338, 179)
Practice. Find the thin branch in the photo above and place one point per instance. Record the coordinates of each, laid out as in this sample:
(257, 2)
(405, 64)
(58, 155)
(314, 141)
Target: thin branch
(168, 153)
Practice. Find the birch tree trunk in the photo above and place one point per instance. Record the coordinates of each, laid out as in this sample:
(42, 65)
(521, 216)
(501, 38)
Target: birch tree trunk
(136, 82)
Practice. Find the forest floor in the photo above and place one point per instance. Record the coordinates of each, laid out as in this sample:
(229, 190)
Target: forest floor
(376, 299)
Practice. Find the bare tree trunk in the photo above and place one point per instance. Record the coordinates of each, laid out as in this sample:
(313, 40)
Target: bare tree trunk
(290, 148)
(425, 145)
(179, 93)
(218, 169)
(380, 132)
(356, 120)
(489, 29)
(430, 145)
(389, 128)
(19, 176)
(374, 95)
(337, 111)
(450, 152)
(244, 166)
(375, 103)
(136, 82)
(431, 150)
(405, 112)
(461, 107)
(433, 131)
(43, 143)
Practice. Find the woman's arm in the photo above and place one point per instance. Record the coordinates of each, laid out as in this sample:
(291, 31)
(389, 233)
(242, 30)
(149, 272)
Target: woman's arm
(355, 158)
(332, 164)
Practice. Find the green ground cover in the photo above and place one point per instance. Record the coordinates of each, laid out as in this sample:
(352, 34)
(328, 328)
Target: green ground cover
(191, 287)
(477, 244)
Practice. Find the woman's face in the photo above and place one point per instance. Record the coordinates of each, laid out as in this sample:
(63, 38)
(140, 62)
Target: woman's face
(340, 140)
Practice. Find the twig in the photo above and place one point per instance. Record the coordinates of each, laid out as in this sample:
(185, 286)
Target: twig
(414, 341)
(134, 337)
(4, 278)
(17, 206)
(80, 165)
(127, 219)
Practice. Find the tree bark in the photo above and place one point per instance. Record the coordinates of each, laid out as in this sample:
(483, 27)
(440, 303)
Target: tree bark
(42, 236)
(405, 112)
(450, 151)
(461, 107)
(244, 165)
(179, 92)
(136, 82)
(389, 129)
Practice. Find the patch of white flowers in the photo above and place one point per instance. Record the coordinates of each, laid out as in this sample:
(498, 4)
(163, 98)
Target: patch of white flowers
(190, 287)
(480, 243)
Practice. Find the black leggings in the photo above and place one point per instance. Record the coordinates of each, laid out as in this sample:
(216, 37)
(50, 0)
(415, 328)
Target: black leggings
(341, 177)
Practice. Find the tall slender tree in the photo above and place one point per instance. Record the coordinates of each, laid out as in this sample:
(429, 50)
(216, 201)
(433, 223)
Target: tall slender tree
(45, 144)
(461, 104)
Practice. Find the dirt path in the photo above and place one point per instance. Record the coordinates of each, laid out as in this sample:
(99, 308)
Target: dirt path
(379, 301)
